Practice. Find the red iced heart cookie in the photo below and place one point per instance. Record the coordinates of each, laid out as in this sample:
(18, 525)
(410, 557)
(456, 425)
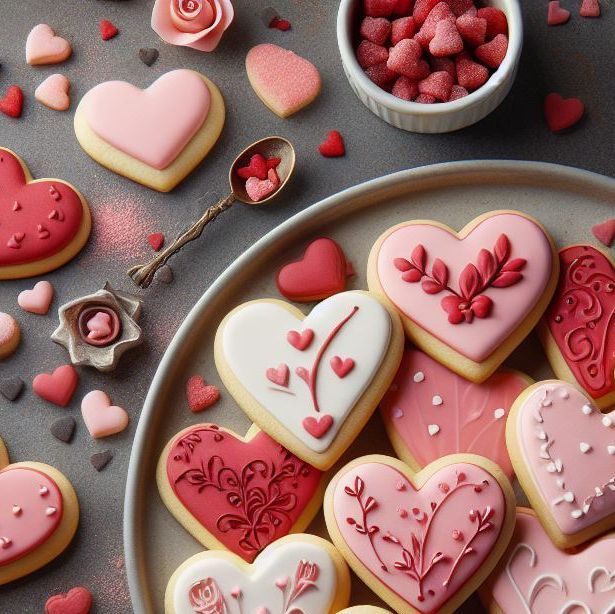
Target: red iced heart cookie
(562, 113)
(423, 542)
(200, 395)
(333, 146)
(321, 272)
(12, 103)
(78, 600)
(44, 223)
(430, 412)
(241, 471)
(59, 387)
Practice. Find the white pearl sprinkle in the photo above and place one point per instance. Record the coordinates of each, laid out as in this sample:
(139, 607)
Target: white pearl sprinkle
(576, 513)
(43, 491)
(419, 377)
(611, 450)
(584, 447)
(6, 542)
(397, 412)
(50, 511)
(498, 413)
(586, 409)
(437, 400)
(541, 435)
(606, 421)
(16, 510)
(433, 429)
(569, 497)
(564, 393)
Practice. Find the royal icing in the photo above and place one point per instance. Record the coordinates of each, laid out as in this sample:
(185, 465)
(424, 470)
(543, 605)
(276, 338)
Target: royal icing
(30, 511)
(470, 293)
(424, 545)
(146, 124)
(536, 577)
(314, 397)
(581, 317)
(577, 483)
(245, 493)
(39, 219)
(288, 578)
(469, 417)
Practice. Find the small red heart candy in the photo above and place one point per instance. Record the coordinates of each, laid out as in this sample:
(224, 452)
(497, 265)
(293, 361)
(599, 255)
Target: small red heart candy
(301, 340)
(156, 240)
(200, 394)
(342, 367)
(12, 103)
(57, 388)
(333, 147)
(107, 29)
(492, 54)
(562, 113)
(401, 28)
(257, 168)
(470, 75)
(78, 600)
(318, 427)
(375, 29)
(557, 15)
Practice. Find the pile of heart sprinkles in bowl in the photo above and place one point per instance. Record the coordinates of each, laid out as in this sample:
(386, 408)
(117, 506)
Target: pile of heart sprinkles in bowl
(434, 51)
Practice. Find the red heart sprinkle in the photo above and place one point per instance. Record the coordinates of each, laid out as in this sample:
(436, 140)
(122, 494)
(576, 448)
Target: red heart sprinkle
(342, 367)
(605, 232)
(200, 394)
(562, 113)
(57, 388)
(257, 168)
(318, 427)
(333, 147)
(302, 340)
(556, 15)
(280, 24)
(107, 29)
(12, 103)
(78, 600)
(156, 240)
(279, 375)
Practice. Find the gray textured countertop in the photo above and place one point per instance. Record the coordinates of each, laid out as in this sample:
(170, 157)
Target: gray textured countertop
(576, 59)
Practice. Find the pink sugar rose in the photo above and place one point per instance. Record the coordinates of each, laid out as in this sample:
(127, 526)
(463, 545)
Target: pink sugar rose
(199, 24)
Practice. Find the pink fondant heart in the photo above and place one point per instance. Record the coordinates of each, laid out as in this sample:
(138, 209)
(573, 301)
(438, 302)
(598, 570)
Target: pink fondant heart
(258, 189)
(301, 340)
(534, 571)
(471, 417)
(242, 472)
(472, 292)
(568, 448)
(30, 512)
(556, 14)
(152, 125)
(318, 427)
(38, 299)
(101, 418)
(99, 326)
(342, 367)
(422, 544)
(44, 47)
(279, 375)
(53, 92)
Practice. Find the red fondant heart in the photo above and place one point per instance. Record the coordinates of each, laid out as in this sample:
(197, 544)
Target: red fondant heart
(320, 273)
(254, 492)
(107, 29)
(257, 168)
(38, 219)
(200, 394)
(342, 367)
(318, 427)
(333, 146)
(59, 387)
(301, 340)
(78, 600)
(279, 376)
(562, 113)
(12, 103)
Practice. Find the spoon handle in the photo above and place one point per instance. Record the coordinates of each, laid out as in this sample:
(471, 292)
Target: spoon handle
(143, 274)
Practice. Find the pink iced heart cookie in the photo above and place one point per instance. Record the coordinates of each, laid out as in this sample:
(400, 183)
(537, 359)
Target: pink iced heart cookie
(430, 412)
(283, 80)
(468, 298)
(422, 541)
(143, 135)
(44, 47)
(38, 299)
(101, 418)
(53, 92)
(535, 576)
(310, 381)
(563, 452)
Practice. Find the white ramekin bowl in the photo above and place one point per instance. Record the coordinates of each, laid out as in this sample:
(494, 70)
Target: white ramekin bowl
(430, 118)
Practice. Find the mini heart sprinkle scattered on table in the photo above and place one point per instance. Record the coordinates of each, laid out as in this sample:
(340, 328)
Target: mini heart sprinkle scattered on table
(156, 240)
(333, 146)
(53, 92)
(63, 429)
(562, 113)
(107, 29)
(37, 300)
(101, 459)
(12, 103)
(78, 600)
(200, 394)
(148, 55)
(11, 387)
(557, 15)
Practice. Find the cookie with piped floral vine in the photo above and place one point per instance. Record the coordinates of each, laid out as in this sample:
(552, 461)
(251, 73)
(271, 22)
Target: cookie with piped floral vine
(298, 573)
(311, 382)
(422, 541)
(578, 328)
(39, 514)
(467, 298)
(563, 451)
(237, 493)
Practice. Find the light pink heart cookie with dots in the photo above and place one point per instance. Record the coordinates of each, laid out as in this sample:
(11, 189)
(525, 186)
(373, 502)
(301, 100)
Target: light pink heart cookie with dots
(430, 412)
(563, 452)
(283, 80)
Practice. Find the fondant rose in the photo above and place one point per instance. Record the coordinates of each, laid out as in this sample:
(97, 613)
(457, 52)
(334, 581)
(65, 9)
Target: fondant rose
(199, 24)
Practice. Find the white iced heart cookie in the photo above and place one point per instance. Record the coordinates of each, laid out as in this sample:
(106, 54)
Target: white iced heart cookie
(298, 573)
(311, 382)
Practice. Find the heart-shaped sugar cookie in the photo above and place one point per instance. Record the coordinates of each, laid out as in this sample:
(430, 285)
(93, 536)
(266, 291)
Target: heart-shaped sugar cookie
(215, 505)
(469, 298)
(101, 418)
(298, 573)
(422, 541)
(563, 452)
(534, 576)
(314, 412)
(44, 47)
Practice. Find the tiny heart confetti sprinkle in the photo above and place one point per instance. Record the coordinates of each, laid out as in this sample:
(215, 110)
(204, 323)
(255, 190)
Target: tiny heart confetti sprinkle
(12, 103)
(156, 240)
(148, 55)
(280, 24)
(200, 394)
(557, 15)
(11, 387)
(107, 29)
(63, 429)
(605, 232)
(165, 274)
(562, 113)
(333, 147)
(101, 459)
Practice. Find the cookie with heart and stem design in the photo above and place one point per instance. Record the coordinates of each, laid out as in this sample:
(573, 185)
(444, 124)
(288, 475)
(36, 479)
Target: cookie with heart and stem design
(39, 514)
(237, 493)
(44, 222)
(310, 381)
(155, 136)
(535, 577)
(563, 452)
(422, 541)
(430, 411)
(578, 328)
(298, 573)
(466, 298)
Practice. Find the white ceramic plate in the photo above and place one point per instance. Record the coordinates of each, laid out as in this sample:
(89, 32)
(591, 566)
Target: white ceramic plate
(566, 200)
